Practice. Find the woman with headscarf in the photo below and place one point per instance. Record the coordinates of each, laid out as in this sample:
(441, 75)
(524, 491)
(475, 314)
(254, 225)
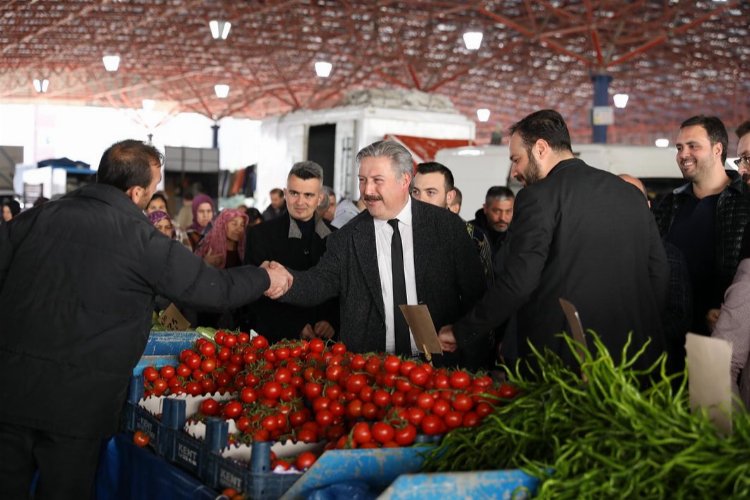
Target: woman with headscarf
(203, 211)
(224, 245)
(11, 208)
(163, 223)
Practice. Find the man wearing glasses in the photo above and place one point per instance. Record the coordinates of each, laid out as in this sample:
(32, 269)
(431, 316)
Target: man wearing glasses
(743, 151)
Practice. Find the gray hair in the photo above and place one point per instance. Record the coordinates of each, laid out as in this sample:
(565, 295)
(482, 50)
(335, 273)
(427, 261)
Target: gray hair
(326, 201)
(400, 157)
(307, 170)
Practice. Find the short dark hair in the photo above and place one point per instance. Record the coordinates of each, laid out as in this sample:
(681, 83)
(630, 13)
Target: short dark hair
(307, 170)
(431, 167)
(715, 129)
(499, 193)
(545, 124)
(743, 129)
(159, 196)
(128, 163)
(277, 192)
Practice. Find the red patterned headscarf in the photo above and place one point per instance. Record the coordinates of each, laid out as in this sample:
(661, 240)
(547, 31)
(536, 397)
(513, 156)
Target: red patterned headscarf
(215, 240)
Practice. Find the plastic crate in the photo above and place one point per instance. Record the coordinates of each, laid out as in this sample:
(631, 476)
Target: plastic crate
(181, 448)
(375, 468)
(504, 484)
(169, 343)
(255, 480)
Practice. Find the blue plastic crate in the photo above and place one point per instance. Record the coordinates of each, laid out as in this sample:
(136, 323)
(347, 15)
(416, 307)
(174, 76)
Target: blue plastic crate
(169, 343)
(255, 480)
(151, 426)
(375, 468)
(501, 484)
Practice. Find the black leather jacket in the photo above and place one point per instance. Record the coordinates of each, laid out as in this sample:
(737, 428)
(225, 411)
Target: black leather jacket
(732, 215)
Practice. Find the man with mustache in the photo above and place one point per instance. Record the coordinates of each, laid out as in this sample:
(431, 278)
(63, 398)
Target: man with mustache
(578, 233)
(373, 269)
(706, 217)
(743, 151)
(495, 215)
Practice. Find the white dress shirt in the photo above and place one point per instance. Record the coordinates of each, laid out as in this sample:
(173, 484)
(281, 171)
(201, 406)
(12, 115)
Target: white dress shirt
(383, 235)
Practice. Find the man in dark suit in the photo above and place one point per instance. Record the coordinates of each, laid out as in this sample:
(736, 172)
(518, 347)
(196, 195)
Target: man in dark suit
(440, 266)
(580, 234)
(296, 240)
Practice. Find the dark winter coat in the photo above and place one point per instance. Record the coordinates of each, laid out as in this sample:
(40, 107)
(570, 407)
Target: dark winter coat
(78, 277)
(586, 236)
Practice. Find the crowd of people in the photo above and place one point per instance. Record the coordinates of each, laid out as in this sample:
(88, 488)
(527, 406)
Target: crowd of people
(81, 276)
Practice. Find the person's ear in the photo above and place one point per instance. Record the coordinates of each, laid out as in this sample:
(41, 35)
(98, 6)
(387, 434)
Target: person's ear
(450, 196)
(135, 193)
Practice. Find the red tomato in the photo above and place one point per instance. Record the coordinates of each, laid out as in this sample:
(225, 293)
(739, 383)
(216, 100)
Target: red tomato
(208, 349)
(463, 402)
(483, 381)
(230, 340)
(185, 354)
(324, 417)
(219, 337)
(356, 382)
(419, 376)
(460, 379)
(270, 423)
(441, 381)
(391, 364)
(415, 415)
(333, 372)
(406, 435)
(382, 432)
(287, 393)
(297, 381)
(283, 375)
(307, 436)
(193, 388)
(248, 395)
(337, 409)
(369, 411)
(159, 386)
(232, 409)
(431, 425)
(316, 345)
(332, 391)
(261, 435)
(259, 342)
(312, 390)
(208, 385)
(224, 353)
(210, 407)
(283, 353)
(398, 398)
(150, 373)
(305, 460)
(366, 393)
(471, 419)
(373, 365)
(381, 398)
(361, 433)
(357, 362)
(271, 390)
(193, 362)
(338, 348)
(425, 401)
(140, 439)
(243, 424)
(299, 417)
(249, 357)
(354, 409)
(183, 370)
(483, 409)
(321, 403)
(403, 385)
(406, 367)
(507, 391)
(441, 407)
(243, 338)
(209, 364)
(453, 419)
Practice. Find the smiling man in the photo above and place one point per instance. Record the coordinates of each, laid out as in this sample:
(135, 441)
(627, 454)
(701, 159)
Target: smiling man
(578, 233)
(397, 251)
(296, 239)
(706, 217)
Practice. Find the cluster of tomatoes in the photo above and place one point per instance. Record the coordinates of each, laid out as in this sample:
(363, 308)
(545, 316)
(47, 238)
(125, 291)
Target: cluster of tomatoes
(314, 391)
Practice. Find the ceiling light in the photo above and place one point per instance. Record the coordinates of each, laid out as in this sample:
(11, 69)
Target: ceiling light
(111, 62)
(41, 86)
(483, 114)
(473, 39)
(621, 100)
(219, 29)
(222, 90)
(661, 143)
(323, 69)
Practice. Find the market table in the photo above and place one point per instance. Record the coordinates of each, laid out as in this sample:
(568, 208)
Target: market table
(128, 472)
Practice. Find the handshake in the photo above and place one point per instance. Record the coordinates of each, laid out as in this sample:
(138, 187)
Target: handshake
(281, 280)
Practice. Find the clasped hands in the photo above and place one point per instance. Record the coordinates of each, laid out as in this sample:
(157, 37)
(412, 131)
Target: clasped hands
(281, 279)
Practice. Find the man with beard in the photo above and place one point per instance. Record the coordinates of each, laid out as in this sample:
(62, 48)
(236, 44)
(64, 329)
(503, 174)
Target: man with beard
(398, 251)
(706, 217)
(495, 215)
(581, 234)
(743, 151)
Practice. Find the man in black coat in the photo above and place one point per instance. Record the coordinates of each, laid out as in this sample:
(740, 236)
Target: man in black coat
(580, 234)
(441, 268)
(78, 277)
(296, 240)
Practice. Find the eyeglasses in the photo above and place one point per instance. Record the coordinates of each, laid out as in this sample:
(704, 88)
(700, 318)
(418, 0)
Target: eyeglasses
(742, 159)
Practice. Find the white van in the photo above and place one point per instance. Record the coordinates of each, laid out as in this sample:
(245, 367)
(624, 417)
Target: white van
(475, 169)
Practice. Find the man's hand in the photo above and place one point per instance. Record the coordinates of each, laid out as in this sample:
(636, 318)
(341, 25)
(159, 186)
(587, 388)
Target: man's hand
(711, 318)
(307, 332)
(281, 280)
(447, 339)
(324, 330)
